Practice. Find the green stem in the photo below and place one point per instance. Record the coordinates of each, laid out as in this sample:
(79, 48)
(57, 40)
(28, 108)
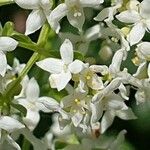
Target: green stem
(6, 2)
(41, 42)
(26, 144)
(34, 48)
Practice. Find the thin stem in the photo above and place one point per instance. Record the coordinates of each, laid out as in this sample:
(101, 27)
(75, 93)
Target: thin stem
(26, 144)
(41, 42)
(6, 2)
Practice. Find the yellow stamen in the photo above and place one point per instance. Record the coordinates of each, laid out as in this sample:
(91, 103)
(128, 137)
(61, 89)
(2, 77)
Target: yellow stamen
(125, 30)
(136, 60)
(88, 77)
(77, 101)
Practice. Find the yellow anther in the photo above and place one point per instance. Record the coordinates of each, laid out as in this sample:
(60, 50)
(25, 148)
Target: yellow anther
(74, 111)
(125, 30)
(114, 39)
(88, 77)
(136, 60)
(107, 77)
(77, 101)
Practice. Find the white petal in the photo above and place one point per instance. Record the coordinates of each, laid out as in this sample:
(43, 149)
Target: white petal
(144, 9)
(143, 50)
(141, 72)
(126, 114)
(136, 34)
(103, 69)
(35, 21)
(115, 102)
(114, 84)
(24, 103)
(67, 101)
(129, 16)
(50, 103)
(56, 15)
(13, 143)
(76, 66)
(95, 83)
(61, 80)
(10, 124)
(32, 90)
(93, 33)
(91, 3)
(116, 62)
(77, 118)
(37, 143)
(107, 120)
(140, 97)
(118, 141)
(66, 51)
(76, 21)
(123, 91)
(32, 4)
(32, 118)
(7, 44)
(46, 4)
(52, 81)
(102, 15)
(3, 64)
(51, 65)
(97, 111)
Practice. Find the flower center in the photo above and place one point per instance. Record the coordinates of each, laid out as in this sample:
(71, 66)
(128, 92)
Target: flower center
(76, 11)
(77, 101)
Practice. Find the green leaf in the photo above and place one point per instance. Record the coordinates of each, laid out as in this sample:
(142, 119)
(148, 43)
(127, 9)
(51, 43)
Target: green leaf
(78, 55)
(8, 29)
(21, 37)
(60, 144)
(16, 90)
(20, 108)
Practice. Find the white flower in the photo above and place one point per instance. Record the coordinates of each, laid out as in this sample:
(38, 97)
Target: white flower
(140, 19)
(142, 95)
(56, 130)
(107, 14)
(9, 125)
(73, 9)
(41, 12)
(87, 78)
(77, 104)
(7, 44)
(61, 69)
(143, 51)
(113, 105)
(32, 102)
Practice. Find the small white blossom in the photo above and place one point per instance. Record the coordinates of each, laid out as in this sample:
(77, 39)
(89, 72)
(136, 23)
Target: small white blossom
(9, 125)
(141, 20)
(32, 102)
(7, 44)
(61, 69)
(78, 105)
(73, 9)
(37, 18)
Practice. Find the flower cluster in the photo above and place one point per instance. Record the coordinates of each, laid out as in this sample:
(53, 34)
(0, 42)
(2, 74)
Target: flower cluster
(88, 92)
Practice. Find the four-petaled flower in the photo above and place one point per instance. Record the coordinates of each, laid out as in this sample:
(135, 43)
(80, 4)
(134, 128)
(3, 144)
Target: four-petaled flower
(62, 69)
